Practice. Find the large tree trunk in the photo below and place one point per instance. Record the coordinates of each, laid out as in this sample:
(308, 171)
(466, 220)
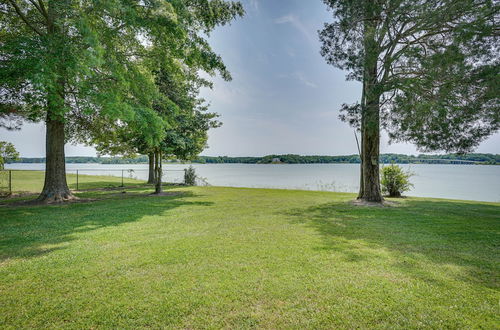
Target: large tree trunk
(55, 188)
(152, 175)
(361, 182)
(370, 153)
(370, 122)
(159, 172)
(360, 149)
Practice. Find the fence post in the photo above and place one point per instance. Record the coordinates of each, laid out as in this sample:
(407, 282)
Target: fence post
(76, 179)
(122, 178)
(10, 182)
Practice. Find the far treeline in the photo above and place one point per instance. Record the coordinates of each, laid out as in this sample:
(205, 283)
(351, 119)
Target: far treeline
(473, 159)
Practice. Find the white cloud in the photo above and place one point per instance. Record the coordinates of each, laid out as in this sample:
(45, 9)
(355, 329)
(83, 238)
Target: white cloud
(297, 24)
(254, 4)
(290, 52)
(302, 78)
(299, 76)
(284, 19)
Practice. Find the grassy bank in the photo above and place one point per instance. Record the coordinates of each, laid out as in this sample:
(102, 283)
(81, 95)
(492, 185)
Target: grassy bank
(208, 257)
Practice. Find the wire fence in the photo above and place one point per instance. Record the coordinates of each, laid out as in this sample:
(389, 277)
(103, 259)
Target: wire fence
(5, 183)
(14, 181)
(81, 178)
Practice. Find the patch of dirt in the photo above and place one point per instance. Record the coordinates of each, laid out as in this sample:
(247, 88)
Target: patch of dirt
(34, 202)
(168, 193)
(125, 194)
(19, 194)
(112, 188)
(385, 203)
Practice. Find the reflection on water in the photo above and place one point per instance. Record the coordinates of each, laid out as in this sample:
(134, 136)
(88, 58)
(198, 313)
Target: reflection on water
(480, 182)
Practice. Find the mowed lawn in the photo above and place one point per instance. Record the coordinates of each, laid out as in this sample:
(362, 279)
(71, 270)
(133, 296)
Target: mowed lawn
(209, 257)
(32, 181)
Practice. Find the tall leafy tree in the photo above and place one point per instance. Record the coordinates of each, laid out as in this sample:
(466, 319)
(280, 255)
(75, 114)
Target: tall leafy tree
(7, 153)
(186, 117)
(186, 135)
(61, 60)
(429, 71)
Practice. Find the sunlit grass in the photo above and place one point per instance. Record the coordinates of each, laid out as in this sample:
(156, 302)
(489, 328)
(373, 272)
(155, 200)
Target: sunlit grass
(210, 257)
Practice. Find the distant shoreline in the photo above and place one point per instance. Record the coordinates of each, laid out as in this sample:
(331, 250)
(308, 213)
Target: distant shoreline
(451, 159)
(333, 163)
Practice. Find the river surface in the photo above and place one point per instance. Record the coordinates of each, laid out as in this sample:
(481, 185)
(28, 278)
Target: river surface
(469, 182)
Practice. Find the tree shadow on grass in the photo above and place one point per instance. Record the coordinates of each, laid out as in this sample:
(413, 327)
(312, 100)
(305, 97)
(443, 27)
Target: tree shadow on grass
(417, 234)
(27, 232)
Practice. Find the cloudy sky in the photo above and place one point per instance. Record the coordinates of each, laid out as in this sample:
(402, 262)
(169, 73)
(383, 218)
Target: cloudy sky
(283, 98)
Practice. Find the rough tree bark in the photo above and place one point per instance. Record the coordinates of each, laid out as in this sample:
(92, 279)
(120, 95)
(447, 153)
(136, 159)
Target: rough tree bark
(360, 148)
(370, 153)
(159, 172)
(152, 175)
(55, 188)
(361, 184)
(370, 120)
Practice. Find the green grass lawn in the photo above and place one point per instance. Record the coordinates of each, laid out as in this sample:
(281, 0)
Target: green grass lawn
(32, 181)
(212, 257)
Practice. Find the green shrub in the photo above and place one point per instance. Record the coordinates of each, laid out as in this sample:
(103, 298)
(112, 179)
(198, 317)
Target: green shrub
(395, 181)
(190, 176)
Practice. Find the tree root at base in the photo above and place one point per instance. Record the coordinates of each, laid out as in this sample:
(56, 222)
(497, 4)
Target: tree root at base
(59, 197)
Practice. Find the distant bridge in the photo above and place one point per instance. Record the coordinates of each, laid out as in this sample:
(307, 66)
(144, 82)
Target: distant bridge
(445, 161)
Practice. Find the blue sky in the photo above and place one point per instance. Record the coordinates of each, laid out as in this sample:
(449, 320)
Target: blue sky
(283, 98)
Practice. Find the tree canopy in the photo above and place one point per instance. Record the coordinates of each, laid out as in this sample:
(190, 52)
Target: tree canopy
(8, 153)
(437, 67)
(64, 60)
(429, 71)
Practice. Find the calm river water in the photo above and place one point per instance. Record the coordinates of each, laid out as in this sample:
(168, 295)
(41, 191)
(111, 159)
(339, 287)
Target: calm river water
(471, 182)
